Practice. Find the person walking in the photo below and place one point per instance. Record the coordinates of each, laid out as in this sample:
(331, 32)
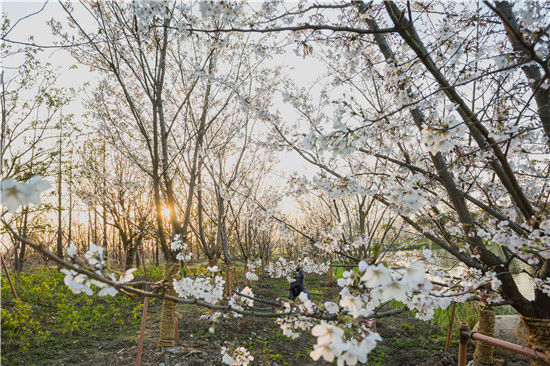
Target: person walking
(297, 286)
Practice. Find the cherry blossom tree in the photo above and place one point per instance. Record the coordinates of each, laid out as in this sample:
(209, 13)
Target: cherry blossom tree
(450, 111)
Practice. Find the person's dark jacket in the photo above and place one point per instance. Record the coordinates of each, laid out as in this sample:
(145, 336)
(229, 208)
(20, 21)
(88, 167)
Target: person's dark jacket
(297, 286)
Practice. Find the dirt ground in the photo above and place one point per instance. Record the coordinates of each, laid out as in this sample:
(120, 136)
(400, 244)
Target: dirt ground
(406, 341)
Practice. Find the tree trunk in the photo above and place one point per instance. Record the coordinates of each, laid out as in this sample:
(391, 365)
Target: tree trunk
(70, 228)
(212, 262)
(104, 218)
(16, 255)
(20, 259)
(59, 196)
(130, 253)
(228, 285)
(245, 271)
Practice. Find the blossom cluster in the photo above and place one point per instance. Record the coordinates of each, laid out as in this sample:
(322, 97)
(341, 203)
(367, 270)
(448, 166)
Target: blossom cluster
(350, 338)
(225, 194)
(543, 285)
(251, 276)
(330, 242)
(236, 303)
(206, 288)
(179, 246)
(308, 265)
(445, 137)
(236, 357)
(96, 262)
(345, 187)
(146, 11)
(225, 12)
(348, 346)
(291, 325)
(219, 13)
(531, 248)
(277, 269)
(284, 268)
(331, 343)
(377, 284)
(252, 267)
(248, 291)
(405, 200)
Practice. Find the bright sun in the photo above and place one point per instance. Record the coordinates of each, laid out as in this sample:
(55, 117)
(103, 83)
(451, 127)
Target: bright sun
(166, 213)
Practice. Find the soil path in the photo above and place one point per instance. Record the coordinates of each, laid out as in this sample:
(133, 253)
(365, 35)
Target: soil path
(406, 341)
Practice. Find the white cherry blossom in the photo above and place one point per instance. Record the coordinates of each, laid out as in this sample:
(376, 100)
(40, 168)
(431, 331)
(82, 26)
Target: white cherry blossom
(322, 350)
(376, 275)
(327, 334)
(15, 194)
(331, 307)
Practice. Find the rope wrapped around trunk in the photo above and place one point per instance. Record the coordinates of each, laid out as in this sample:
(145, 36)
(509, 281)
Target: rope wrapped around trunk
(212, 262)
(484, 352)
(167, 337)
(538, 337)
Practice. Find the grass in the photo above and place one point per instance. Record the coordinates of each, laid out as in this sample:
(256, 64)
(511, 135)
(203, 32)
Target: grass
(48, 318)
(465, 312)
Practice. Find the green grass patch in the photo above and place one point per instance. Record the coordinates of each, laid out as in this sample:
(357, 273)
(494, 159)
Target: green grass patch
(48, 317)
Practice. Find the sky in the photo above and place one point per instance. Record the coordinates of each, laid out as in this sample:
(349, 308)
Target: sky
(36, 26)
(302, 70)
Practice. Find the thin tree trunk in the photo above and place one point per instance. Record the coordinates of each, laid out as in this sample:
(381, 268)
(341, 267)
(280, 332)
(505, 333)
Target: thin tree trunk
(20, 261)
(70, 229)
(59, 197)
(104, 201)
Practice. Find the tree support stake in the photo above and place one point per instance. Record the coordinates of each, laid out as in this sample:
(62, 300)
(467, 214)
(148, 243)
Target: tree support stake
(8, 276)
(450, 331)
(462, 344)
(142, 330)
